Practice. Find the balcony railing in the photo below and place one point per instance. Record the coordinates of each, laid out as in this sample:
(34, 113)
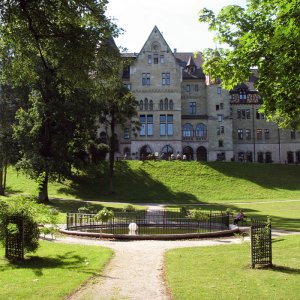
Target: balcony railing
(193, 135)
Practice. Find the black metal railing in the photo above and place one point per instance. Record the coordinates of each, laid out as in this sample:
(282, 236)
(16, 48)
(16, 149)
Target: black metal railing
(261, 242)
(151, 222)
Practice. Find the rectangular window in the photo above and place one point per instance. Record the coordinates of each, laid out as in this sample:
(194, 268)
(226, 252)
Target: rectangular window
(149, 59)
(219, 89)
(220, 130)
(220, 118)
(257, 115)
(149, 125)
(240, 134)
(170, 125)
(243, 114)
(126, 133)
(143, 125)
(217, 107)
(146, 125)
(196, 87)
(192, 108)
(220, 143)
(259, 134)
(155, 58)
(162, 124)
(248, 134)
(188, 88)
(248, 116)
(165, 79)
(162, 59)
(146, 79)
(221, 105)
(293, 134)
(267, 134)
(239, 115)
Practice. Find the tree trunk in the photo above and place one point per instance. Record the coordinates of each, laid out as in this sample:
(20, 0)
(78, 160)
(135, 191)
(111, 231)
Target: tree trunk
(1, 180)
(4, 175)
(43, 190)
(112, 154)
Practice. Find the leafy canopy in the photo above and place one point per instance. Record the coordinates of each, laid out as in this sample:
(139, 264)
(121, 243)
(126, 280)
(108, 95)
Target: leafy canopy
(265, 35)
(51, 47)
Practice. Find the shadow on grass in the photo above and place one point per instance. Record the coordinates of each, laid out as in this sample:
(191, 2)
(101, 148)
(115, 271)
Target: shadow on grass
(284, 269)
(271, 176)
(134, 186)
(10, 191)
(38, 264)
(277, 222)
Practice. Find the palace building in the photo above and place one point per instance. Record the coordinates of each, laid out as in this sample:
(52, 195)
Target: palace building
(181, 111)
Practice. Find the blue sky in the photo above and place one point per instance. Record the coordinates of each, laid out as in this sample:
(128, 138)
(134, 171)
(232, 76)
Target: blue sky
(176, 19)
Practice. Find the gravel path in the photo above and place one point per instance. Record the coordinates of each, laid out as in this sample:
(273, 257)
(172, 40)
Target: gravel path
(136, 270)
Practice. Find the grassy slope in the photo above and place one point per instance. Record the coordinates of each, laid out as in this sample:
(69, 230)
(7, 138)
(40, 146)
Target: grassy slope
(223, 272)
(53, 272)
(177, 182)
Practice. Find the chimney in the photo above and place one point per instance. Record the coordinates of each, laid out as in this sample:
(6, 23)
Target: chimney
(175, 50)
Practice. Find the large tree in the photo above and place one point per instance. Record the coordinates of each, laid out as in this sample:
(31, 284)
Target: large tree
(10, 100)
(265, 35)
(51, 46)
(117, 105)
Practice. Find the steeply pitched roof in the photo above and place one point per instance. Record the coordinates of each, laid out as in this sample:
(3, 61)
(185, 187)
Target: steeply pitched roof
(190, 62)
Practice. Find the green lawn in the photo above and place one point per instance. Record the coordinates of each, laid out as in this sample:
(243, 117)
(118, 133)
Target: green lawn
(53, 272)
(214, 185)
(175, 182)
(284, 214)
(223, 272)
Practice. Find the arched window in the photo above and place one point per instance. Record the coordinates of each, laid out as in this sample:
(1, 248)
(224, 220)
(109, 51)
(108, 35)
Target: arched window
(141, 105)
(166, 152)
(161, 105)
(150, 105)
(188, 152)
(201, 131)
(145, 151)
(269, 157)
(171, 105)
(146, 104)
(166, 104)
(187, 130)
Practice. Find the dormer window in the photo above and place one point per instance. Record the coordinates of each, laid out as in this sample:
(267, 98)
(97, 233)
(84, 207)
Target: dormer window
(243, 95)
(155, 58)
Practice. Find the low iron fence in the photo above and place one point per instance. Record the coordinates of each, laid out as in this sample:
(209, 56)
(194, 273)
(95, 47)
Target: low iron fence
(155, 222)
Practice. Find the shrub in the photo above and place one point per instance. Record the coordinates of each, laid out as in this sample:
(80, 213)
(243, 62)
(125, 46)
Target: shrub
(129, 208)
(33, 214)
(104, 215)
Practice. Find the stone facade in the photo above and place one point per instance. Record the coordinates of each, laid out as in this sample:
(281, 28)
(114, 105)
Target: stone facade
(182, 112)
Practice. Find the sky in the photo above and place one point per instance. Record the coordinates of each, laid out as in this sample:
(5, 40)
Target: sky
(177, 20)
